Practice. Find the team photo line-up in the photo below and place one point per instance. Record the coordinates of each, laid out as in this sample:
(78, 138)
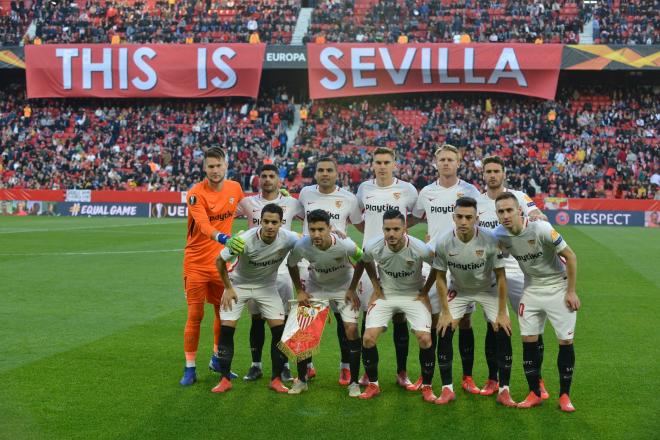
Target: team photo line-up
(488, 248)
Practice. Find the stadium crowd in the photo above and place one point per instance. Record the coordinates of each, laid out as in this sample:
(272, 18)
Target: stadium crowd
(13, 23)
(632, 22)
(587, 143)
(167, 21)
(437, 21)
(131, 144)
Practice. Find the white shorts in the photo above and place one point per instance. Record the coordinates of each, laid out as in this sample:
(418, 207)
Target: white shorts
(336, 300)
(266, 299)
(284, 289)
(462, 303)
(381, 312)
(541, 303)
(433, 293)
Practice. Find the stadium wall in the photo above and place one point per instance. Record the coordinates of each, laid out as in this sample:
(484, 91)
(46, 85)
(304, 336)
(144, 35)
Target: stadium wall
(160, 204)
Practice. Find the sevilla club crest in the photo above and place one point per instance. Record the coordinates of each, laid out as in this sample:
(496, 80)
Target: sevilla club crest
(479, 252)
(338, 203)
(396, 195)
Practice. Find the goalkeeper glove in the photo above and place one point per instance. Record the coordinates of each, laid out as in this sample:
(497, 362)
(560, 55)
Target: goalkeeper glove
(284, 192)
(236, 245)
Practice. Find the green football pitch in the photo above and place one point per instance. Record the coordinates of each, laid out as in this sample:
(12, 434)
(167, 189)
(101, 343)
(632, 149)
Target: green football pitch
(92, 314)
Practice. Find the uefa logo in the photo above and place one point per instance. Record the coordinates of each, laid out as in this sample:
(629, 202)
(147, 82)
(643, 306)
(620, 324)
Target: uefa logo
(562, 218)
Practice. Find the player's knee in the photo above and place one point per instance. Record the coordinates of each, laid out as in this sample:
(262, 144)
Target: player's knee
(424, 340)
(465, 322)
(369, 340)
(195, 314)
(565, 342)
(351, 331)
(531, 338)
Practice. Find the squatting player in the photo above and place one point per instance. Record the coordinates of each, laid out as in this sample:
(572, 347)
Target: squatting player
(330, 260)
(250, 207)
(375, 196)
(254, 278)
(550, 269)
(494, 175)
(436, 204)
(342, 207)
(397, 288)
(211, 207)
(477, 276)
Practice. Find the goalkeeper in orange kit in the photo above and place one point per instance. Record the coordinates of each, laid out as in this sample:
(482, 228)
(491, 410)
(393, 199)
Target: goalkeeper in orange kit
(211, 207)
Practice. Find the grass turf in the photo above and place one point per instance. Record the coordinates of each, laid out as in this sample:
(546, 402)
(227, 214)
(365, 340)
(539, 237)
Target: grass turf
(92, 314)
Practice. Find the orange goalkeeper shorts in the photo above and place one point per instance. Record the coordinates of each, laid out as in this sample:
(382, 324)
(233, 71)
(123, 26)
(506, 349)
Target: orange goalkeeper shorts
(199, 292)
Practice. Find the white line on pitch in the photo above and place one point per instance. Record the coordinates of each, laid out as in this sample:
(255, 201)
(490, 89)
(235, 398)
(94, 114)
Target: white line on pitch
(58, 254)
(79, 228)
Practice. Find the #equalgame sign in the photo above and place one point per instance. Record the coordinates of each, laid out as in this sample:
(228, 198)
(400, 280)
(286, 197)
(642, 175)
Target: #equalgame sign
(337, 70)
(143, 71)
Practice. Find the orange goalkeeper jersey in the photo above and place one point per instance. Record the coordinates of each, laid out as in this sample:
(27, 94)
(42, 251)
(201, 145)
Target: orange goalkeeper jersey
(208, 211)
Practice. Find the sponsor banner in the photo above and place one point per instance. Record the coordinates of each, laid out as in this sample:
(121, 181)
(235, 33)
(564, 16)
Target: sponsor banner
(337, 70)
(596, 218)
(168, 210)
(78, 195)
(75, 209)
(285, 57)
(610, 57)
(12, 58)
(143, 71)
(22, 208)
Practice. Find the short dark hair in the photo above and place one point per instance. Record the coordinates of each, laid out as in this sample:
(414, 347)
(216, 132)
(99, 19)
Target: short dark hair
(326, 159)
(269, 167)
(507, 196)
(494, 159)
(215, 152)
(272, 208)
(393, 213)
(466, 202)
(318, 215)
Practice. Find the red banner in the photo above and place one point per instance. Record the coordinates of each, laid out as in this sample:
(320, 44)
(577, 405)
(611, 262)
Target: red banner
(143, 71)
(337, 70)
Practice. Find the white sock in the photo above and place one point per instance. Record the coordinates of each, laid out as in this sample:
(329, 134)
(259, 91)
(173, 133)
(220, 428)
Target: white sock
(343, 365)
(310, 365)
(286, 365)
(504, 388)
(450, 386)
(256, 364)
(190, 364)
(375, 383)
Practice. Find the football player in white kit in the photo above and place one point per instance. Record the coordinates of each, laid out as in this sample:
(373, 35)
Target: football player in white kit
(330, 271)
(250, 208)
(342, 207)
(477, 276)
(436, 204)
(397, 288)
(494, 175)
(375, 196)
(254, 277)
(550, 269)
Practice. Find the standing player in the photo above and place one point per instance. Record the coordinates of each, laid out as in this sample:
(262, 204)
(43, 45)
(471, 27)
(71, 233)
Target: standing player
(436, 204)
(376, 196)
(397, 288)
(550, 269)
(473, 255)
(211, 207)
(250, 207)
(494, 174)
(342, 207)
(330, 273)
(255, 278)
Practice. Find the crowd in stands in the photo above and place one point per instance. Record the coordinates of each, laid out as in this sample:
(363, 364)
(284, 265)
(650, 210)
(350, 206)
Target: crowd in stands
(124, 145)
(13, 22)
(438, 21)
(167, 21)
(629, 22)
(587, 143)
